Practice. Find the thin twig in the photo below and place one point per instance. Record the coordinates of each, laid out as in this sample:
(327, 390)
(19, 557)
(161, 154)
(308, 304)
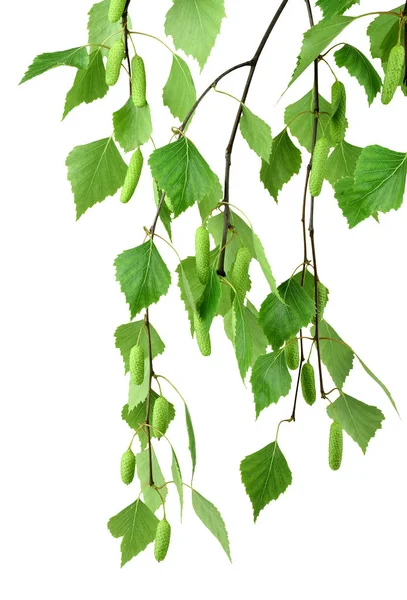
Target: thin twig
(126, 40)
(148, 406)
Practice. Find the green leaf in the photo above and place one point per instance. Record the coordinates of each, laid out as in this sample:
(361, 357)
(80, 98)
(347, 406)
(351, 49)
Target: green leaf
(209, 202)
(242, 337)
(377, 380)
(179, 92)
(151, 496)
(138, 393)
(317, 39)
(299, 117)
(182, 173)
(259, 340)
(342, 162)
(191, 438)
(256, 133)
(136, 416)
(309, 283)
(261, 257)
(75, 57)
(209, 302)
(177, 477)
(137, 525)
(212, 519)
(143, 276)
(335, 354)
(89, 84)
(165, 215)
(190, 286)
(378, 186)
(100, 28)
(359, 420)
(383, 33)
(96, 171)
(130, 334)
(279, 168)
(271, 380)
(132, 125)
(265, 475)
(194, 26)
(335, 7)
(281, 321)
(359, 66)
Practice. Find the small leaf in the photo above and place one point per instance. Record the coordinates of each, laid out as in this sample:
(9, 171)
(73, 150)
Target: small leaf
(151, 496)
(182, 173)
(134, 333)
(377, 380)
(194, 26)
(259, 340)
(212, 519)
(335, 354)
(342, 162)
(143, 276)
(270, 380)
(191, 438)
(100, 28)
(359, 420)
(177, 477)
(256, 133)
(282, 164)
(179, 93)
(89, 84)
(137, 525)
(359, 66)
(75, 57)
(299, 118)
(265, 475)
(96, 171)
(132, 125)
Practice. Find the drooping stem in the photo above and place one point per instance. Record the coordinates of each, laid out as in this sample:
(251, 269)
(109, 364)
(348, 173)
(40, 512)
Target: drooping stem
(228, 158)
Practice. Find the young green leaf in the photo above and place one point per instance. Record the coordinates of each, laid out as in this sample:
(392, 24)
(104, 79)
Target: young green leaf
(89, 84)
(379, 383)
(194, 26)
(281, 165)
(96, 171)
(179, 93)
(129, 335)
(281, 321)
(359, 66)
(138, 393)
(75, 57)
(182, 173)
(261, 257)
(177, 477)
(191, 438)
(359, 420)
(100, 28)
(242, 337)
(299, 117)
(383, 33)
(259, 340)
(212, 519)
(137, 525)
(256, 133)
(271, 380)
(342, 162)
(151, 497)
(132, 126)
(335, 7)
(143, 276)
(265, 476)
(335, 354)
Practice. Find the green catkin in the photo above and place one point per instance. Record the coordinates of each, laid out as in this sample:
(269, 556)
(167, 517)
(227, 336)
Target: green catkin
(114, 62)
(322, 301)
(202, 336)
(240, 273)
(116, 9)
(202, 251)
(393, 74)
(136, 364)
(308, 388)
(318, 166)
(335, 446)
(128, 466)
(132, 176)
(161, 416)
(162, 540)
(138, 82)
(338, 122)
(292, 354)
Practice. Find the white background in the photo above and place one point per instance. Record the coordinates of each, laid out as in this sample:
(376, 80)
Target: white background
(331, 535)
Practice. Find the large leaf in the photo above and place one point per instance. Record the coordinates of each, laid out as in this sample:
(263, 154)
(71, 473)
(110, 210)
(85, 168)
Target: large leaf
(134, 333)
(270, 379)
(194, 26)
(342, 162)
(137, 525)
(151, 496)
(75, 57)
(96, 171)
(259, 340)
(265, 475)
(212, 519)
(378, 185)
(335, 354)
(132, 125)
(261, 257)
(359, 66)
(242, 337)
(383, 33)
(299, 117)
(89, 84)
(100, 28)
(143, 276)
(281, 165)
(182, 173)
(359, 420)
(335, 7)
(256, 133)
(317, 39)
(280, 321)
(179, 92)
